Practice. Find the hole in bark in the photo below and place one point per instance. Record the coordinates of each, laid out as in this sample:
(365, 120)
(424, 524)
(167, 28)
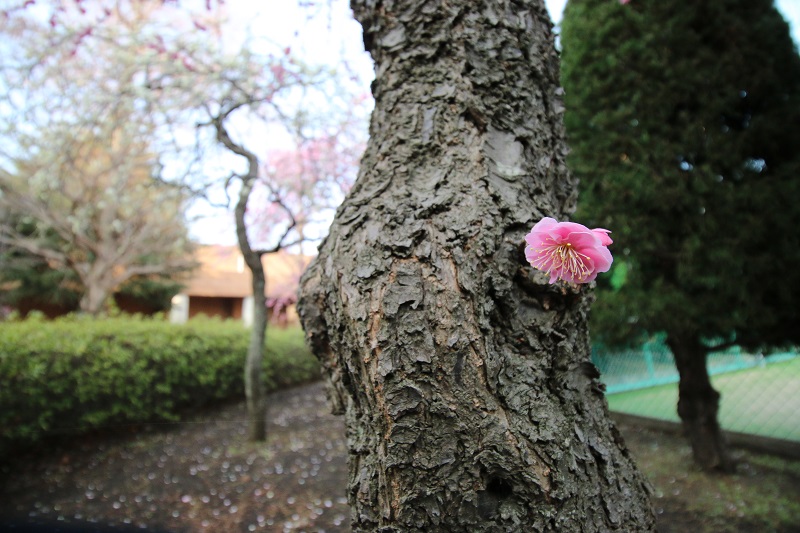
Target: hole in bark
(499, 487)
(489, 500)
(458, 367)
(521, 253)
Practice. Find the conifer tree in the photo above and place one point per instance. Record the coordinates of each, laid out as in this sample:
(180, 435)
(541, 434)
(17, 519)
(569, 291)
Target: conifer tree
(684, 123)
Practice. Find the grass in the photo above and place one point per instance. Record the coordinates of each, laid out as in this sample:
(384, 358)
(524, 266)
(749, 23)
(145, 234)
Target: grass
(763, 401)
(762, 496)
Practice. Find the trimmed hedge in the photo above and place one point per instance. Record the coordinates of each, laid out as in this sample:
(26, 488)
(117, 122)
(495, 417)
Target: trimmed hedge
(76, 374)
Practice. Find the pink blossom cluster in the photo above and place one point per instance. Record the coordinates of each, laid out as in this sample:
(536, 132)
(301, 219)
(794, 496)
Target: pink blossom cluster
(568, 251)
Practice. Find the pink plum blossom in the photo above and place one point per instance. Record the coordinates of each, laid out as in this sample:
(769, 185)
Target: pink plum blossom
(568, 251)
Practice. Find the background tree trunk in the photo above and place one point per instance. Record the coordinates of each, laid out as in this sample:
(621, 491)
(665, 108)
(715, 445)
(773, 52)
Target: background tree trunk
(253, 379)
(255, 392)
(470, 401)
(253, 371)
(698, 403)
(92, 300)
(99, 283)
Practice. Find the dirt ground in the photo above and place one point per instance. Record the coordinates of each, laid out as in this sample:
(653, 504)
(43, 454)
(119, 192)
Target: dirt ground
(201, 476)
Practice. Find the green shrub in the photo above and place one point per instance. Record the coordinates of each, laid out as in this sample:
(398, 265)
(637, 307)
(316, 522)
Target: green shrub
(76, 373)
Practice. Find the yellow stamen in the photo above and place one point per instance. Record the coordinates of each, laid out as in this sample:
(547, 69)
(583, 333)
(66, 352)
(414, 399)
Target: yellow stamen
(562, 257)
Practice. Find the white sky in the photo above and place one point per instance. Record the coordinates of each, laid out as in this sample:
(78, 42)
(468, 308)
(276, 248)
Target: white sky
(331, 35)
(334, 32)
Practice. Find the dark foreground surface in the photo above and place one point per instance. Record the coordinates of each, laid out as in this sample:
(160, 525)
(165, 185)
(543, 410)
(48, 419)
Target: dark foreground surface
(202, 476)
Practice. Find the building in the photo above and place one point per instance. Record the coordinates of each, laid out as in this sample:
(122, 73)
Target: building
(222, 286)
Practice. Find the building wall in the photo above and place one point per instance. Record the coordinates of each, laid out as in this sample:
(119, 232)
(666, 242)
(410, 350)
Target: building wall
(50, 310)
(126, 304)
(215, 306)
(130, 305)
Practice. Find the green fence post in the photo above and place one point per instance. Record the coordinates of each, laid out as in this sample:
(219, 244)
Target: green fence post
(740, 358)
(648, 360)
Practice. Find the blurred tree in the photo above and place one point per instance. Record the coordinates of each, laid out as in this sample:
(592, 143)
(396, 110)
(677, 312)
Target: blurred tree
(684, 123)
(293, 196)
(182, 80)
(292, 185)
(91, 205)
(28, 281)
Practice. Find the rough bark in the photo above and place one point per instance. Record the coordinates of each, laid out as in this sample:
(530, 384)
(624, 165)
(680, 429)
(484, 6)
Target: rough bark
(698, 403)
(470, 401)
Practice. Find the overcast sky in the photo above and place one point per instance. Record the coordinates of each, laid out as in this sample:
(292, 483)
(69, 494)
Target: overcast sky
(330, 38)
(322, 38)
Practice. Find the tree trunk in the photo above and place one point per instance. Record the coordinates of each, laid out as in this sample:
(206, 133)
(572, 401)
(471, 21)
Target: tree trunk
(470, 401)
(92, 300)
(98, 282)
(253, 380)
(253, 372)
(255, 392)
(698, 403)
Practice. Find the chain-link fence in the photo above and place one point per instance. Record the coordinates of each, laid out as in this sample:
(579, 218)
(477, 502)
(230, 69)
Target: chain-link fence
(760, 395)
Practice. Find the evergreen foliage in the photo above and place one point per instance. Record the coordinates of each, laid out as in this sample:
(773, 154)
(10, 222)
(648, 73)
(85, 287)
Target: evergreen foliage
(684, 124)
(25, 277)
(28, 280)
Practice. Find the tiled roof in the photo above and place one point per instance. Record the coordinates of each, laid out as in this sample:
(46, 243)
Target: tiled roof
(223, 273)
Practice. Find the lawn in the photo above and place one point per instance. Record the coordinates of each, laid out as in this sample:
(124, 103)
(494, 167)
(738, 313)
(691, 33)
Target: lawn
(763, 400)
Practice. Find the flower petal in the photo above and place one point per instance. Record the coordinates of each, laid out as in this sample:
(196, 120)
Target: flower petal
(605, 240)
(565, 228)
(601, 259)
(583, 239)
(544, 224)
